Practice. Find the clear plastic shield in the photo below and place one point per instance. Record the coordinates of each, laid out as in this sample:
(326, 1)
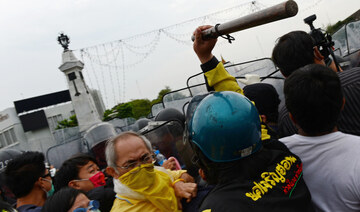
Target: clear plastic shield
(353, 36)
(56, 155)
(156, 108)
(340, 40)
(168, 139)
(177, 99)
(347, 39)
(264, 67)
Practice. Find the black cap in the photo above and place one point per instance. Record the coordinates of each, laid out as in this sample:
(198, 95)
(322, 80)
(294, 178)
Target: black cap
(265, 97)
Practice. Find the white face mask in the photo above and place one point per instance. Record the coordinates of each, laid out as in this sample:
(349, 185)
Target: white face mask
(51, 191)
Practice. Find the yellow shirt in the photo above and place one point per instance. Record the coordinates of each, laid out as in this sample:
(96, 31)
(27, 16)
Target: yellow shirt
(122, 203)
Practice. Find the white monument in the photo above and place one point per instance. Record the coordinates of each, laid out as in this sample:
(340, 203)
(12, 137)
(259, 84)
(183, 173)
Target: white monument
(83, 103)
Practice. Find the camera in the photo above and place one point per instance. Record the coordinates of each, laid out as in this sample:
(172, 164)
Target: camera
(322, 40)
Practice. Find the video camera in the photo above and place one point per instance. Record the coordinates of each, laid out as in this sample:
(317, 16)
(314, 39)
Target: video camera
(323, 41)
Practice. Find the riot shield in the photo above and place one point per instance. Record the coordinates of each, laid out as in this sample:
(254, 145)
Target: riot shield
(347, 44)
(263, 67)
(347, 38)
(5, 156)
(176, 99)
(56, 155)
(156, 108)
(96, 137)
(168, 139)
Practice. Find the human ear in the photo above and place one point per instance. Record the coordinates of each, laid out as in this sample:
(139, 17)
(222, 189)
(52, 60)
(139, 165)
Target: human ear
(112, 172)
(74, 184)
(263, 118)
(40, 182)
(318, 57)
(202, 174)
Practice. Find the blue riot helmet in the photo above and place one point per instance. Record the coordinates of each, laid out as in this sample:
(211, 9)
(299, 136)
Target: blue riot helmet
(225, 126)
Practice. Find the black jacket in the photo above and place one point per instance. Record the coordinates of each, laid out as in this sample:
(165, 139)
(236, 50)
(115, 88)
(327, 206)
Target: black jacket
(104, 194)
(269, 180)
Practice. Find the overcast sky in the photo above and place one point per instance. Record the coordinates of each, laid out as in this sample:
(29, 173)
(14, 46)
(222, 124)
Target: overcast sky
(30, 55)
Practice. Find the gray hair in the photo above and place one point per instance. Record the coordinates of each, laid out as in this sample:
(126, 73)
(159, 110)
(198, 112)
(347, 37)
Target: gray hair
(110, 153)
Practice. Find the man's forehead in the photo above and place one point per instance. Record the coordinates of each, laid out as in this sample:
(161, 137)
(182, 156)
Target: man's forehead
(130, 148)
(90, 164)
(130, 139)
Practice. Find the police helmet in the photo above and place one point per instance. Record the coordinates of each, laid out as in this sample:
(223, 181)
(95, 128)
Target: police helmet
(141, 123)
(169, 114)
(225, 126)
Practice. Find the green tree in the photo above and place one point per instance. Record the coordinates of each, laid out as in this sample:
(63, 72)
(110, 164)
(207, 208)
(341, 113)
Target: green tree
(141, 107)
(124, 110)
(333, 28)
(72, 122)
(108, 115)
(164, 91)
(136, 108)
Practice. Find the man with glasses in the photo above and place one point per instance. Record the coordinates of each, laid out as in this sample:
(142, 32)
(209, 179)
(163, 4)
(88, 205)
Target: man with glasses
(29, 180)
(139, 185)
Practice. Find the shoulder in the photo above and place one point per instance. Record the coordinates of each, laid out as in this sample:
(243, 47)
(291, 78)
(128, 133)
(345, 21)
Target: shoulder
(349, 77)
(354, 140)
(100, 192)
(29, 208)
(288, 140)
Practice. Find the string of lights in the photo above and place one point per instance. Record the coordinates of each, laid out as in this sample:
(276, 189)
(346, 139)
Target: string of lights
(113, 59)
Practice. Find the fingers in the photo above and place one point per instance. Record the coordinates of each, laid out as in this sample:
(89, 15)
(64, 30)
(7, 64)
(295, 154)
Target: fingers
(188, 178)
(190, 190)
(205, 27)
(171, 159)
(198, 35)
(197, 32)
(179, 203)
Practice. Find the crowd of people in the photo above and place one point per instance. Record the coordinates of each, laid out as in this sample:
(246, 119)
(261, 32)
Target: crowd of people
(249, 157)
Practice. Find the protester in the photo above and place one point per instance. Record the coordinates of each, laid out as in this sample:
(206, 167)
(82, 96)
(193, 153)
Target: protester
(297, 49)
(267, 101)
(70, 200)
(29, 180)
(248, 174)
(140, 186)
(216, 77)
(82, 173)
(331, 160)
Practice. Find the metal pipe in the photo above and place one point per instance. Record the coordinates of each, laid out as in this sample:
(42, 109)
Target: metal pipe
(277, 12)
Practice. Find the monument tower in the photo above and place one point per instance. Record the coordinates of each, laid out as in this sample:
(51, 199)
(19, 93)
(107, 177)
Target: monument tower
(83, 103)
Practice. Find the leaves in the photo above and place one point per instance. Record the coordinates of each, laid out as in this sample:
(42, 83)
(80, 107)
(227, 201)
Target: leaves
(137, 108)
(72, 122)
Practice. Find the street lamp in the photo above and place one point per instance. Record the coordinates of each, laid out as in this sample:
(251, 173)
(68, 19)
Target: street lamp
(64, 41)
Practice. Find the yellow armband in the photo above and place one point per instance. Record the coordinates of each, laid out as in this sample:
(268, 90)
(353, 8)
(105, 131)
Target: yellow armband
(178, 180)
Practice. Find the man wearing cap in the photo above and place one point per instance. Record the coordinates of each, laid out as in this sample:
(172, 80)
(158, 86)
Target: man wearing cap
(267, 101)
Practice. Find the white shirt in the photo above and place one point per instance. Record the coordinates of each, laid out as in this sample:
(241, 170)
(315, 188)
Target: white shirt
(331, 169)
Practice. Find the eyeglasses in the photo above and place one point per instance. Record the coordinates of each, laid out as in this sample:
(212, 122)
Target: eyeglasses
(144, 159)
